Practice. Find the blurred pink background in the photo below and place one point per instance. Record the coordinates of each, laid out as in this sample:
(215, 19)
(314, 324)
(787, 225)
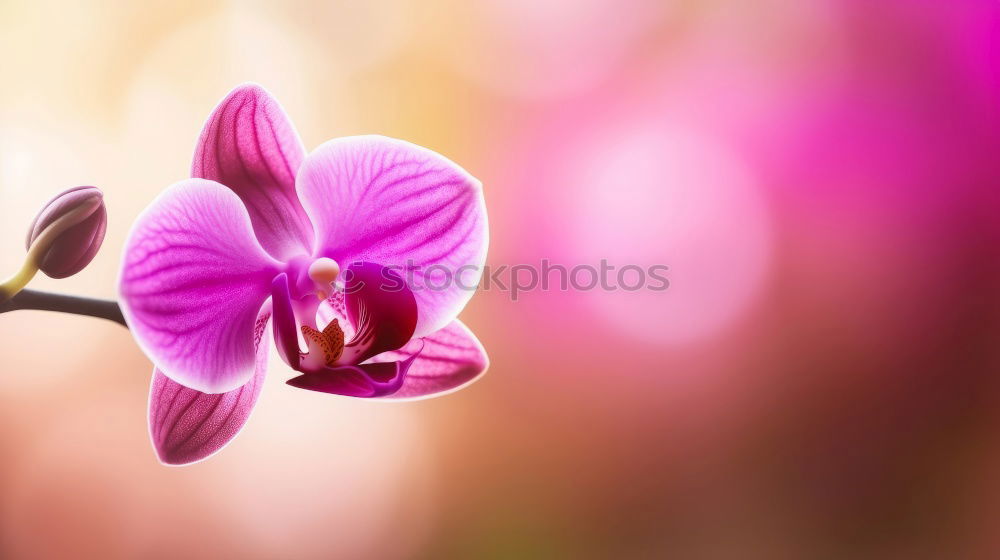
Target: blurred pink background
(819, 381)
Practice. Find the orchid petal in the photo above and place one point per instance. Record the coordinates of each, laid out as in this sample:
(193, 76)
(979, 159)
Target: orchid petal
(186, 425)
(193, 281)
(363, 380)
(387, 201)
(448, 360)
(250, 146)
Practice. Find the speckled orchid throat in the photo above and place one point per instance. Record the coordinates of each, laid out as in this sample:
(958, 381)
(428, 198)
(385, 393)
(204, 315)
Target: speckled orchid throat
(379, 320)
(264, 233)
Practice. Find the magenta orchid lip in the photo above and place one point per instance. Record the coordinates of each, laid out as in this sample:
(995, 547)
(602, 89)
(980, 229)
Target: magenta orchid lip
(253, 244)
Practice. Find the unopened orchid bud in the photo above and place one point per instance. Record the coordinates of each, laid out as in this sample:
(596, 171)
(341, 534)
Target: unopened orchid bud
(68, 232)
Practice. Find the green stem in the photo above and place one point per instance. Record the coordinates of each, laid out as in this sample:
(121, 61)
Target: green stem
(10, 287)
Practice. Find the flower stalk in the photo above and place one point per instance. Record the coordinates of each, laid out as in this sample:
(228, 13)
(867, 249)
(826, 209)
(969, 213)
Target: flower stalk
(62, 303)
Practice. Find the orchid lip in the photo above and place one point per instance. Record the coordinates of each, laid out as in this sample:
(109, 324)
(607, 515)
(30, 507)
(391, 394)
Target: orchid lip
(325, 346)
(313, 283)
(381, 319)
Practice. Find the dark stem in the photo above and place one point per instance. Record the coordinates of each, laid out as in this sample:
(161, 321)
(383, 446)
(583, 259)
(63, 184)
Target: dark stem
(46, 301)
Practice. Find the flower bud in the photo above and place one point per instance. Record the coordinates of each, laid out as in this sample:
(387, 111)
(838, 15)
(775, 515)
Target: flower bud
(72, 226)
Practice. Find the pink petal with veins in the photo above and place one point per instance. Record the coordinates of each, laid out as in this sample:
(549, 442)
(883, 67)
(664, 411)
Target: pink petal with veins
(386, 201)
(193, 281)
(186, 425)
(250, 146)
(448, 360)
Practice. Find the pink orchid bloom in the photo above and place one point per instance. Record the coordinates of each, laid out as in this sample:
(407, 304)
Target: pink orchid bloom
(258, 236)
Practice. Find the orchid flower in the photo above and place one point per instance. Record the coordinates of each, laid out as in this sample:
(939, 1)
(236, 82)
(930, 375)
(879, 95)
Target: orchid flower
(258, 236)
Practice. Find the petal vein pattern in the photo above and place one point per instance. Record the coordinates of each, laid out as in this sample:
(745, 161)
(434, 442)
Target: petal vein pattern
(193, 281)
(250, 146)
(404, 207)
(186, 425)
